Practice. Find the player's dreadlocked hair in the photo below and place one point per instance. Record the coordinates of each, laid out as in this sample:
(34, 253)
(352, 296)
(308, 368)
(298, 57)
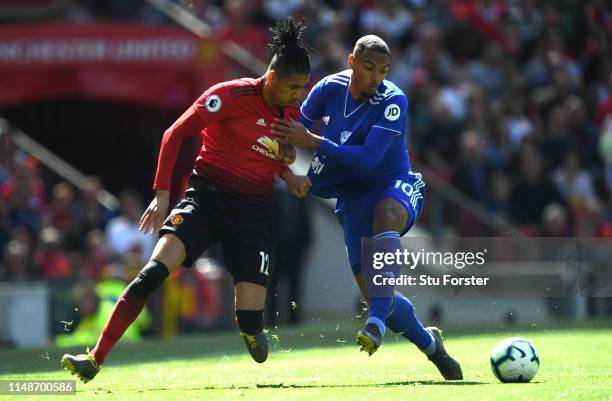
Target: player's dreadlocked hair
(290, 50)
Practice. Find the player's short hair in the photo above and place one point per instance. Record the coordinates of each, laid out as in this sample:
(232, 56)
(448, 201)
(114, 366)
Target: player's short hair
(291, 52)
(371, 42)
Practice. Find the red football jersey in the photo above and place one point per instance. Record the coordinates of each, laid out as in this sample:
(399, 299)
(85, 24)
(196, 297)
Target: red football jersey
(238, 151)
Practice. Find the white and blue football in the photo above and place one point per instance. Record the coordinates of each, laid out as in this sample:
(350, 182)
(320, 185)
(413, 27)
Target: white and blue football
(515, 360)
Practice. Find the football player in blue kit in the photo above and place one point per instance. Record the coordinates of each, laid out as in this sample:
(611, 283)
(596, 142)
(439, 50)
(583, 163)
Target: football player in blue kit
(361, 159)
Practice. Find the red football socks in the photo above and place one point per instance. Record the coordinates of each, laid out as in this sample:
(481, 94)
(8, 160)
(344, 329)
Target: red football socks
(126, 310)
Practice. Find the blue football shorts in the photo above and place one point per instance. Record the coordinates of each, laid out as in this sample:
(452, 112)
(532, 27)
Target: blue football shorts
(355, 211)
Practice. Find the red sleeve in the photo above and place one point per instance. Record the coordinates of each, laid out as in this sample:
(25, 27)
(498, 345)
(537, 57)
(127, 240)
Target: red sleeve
(187, 125)
(215, 104)
(211, 107)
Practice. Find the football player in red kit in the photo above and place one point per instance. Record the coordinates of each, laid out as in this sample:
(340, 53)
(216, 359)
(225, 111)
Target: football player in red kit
(229, 193)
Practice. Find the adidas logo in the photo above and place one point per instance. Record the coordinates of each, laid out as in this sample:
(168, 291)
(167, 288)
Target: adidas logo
(326, 120)
(261, 122)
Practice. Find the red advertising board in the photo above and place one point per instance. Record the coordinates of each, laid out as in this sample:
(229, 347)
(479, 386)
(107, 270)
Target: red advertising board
(161, 66)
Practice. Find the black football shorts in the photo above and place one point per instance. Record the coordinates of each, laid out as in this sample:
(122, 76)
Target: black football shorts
(209, 214)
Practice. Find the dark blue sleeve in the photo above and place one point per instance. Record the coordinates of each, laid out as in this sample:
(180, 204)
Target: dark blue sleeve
(312, 108)
(362, 158)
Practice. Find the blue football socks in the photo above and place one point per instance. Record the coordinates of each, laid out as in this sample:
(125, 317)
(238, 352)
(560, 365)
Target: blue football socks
(402, 320)
(380, 301)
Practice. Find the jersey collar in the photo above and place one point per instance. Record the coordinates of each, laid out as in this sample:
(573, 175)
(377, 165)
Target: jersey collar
(346, 99)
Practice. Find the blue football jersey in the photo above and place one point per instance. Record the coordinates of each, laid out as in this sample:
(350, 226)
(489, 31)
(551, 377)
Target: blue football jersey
(347, 121)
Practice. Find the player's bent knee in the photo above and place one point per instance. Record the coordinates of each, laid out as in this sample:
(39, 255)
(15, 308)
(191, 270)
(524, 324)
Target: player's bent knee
(149, 279)
(388, 221)
(389, 215)
(250, 321)
(170, 251)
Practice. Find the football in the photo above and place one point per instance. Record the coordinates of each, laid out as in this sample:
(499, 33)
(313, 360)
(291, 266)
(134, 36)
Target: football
(515, 360)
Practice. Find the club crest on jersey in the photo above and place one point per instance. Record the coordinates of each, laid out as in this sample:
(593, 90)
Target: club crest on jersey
(326, 120)
(177, 219)
(270, 148)
(213, 103)
(392, 112)
(261, 122)
(344, 136)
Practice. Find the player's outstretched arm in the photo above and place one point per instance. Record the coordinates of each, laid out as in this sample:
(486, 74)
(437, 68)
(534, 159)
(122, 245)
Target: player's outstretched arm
(153, 218)
(362, 158)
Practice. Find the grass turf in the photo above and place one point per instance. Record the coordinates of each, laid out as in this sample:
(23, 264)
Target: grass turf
(321, 362)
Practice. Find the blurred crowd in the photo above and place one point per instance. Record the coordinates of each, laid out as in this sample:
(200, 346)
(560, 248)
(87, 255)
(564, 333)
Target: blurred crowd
(51, 230)
(510, 102)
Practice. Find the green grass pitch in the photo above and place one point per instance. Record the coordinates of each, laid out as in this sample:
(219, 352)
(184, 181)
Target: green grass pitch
(321, 362)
